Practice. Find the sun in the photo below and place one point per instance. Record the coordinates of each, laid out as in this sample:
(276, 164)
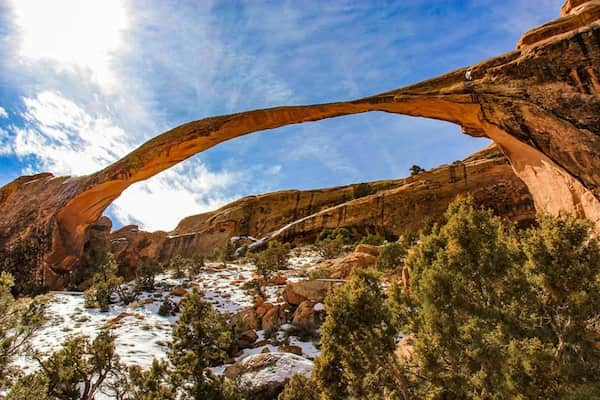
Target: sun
(77, 36)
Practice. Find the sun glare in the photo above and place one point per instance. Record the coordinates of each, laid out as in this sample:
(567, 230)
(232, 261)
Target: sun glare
(75, 35)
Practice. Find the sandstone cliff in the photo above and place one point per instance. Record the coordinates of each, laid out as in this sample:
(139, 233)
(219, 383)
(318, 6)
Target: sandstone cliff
(393, 207)
(539, 104)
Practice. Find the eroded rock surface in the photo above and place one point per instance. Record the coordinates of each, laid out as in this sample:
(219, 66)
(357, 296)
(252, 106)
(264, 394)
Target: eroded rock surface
(539, 104)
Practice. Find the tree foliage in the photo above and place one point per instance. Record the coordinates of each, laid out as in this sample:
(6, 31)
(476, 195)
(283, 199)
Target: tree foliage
(299, 387)
(497, 317)
(330, 244)
(391, 256)
(201, 339)
(106, 283)
(416, 170)
(145, 274)
(19, 320)
(272, 259)
(77, 371)
(357, 343)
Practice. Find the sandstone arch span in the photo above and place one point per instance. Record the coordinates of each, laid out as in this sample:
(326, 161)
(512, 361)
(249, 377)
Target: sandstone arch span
(540, 104)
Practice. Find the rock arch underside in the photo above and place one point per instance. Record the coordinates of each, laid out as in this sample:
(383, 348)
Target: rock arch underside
(540, 104)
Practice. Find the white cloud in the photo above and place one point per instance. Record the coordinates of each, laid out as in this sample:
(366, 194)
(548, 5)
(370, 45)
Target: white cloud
(162, 201)
(3, 113)
(65, 139)
(75, 35)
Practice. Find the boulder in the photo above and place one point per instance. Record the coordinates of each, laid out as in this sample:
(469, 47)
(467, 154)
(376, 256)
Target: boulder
(247, 338)
(342, 267)
(273, 318)
(262, 309)
(368, 249)
(263, 376)
(249, 318)
(305, 313)
(277, 279)
(297, 292)
(290, 349)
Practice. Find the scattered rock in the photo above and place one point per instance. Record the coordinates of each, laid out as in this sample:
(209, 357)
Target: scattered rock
(305, 313)
(263, 376)
(290, 349)
(117, 320)
(272, 319)
(297, 292)
(342, 267)
(262, 309)
(178, 291)
(278, 279)
(368, 249)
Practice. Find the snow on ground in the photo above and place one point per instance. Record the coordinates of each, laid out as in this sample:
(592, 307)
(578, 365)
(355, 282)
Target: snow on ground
(279, 368)
(142, 334)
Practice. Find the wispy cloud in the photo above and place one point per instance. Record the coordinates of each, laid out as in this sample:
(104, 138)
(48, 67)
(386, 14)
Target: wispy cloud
(60, 136)
(3, 113)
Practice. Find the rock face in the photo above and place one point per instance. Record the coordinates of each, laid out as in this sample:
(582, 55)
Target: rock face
(130, 245)
(257, 216)
(393, 207)
(539, 104)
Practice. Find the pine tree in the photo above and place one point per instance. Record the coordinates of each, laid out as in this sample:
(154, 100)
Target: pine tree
(201, 339)
(461, 305)
(357, 358)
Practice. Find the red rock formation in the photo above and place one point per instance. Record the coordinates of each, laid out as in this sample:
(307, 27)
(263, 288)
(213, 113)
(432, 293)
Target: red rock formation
(540, 104)
(394, 207)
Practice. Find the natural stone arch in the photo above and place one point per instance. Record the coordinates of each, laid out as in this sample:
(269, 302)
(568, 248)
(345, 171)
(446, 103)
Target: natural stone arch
(539, 104)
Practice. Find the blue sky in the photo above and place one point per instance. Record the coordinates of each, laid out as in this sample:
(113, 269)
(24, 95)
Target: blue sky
(83, 83)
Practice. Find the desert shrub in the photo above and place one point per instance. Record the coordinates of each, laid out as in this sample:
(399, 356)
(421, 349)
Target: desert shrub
(361, 190)
(197, 265)
(19, 321)
(272, 259)
(30, 387)
(150, 384)
(338, 232)
(330, 244)
(145, 274)
(201, 338)
(105, 283)
(320, 273)
(299, 387)
(167, 307)
(179, 266)
(374, 239)
(227, 253)
(77, 371)
(242, 251)
(391, 256)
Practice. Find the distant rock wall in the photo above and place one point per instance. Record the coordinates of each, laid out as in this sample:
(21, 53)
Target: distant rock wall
(394, 207)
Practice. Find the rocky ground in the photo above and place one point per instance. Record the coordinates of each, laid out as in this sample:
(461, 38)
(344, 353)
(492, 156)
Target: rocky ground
(272, 348)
